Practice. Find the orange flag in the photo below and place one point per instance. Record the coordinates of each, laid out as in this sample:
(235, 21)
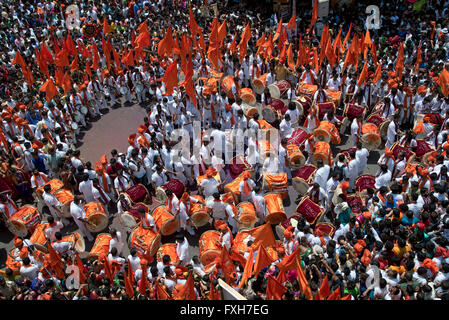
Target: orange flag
(222, 33)
(143, 27)
(363, 75)
(261, 41)
(289, 262)
(263, 235)
(246, 35)
(336, 295)
(188, 82)
(107, 269)
(128, 287)
(330, 53)
(83, 50)
(143, 39)
(19, 60)
(50, 89)
(290, 62)
(62, 59)
(301, 53)
(418, 59)
(54, 258)
(128, 60)
(58, 76)
(248, 270)
(201, 41)
(269, 46)
(283, 53)
(315, 61)
(399, 67)
(143, 283)
(70, 46)
(106, 29)
(278, 31)
(282, 277)
(323, 43)
(343, 49)
(45, 54)
(96, 56)
(233, 46)
(193, 25)
(303, 284)
(263, 259)
(183, 54)
(66, 83)
(227, 265)
(378, 73)
(212, 52)
(292, 23)
(213, 293)
(166, 44)
(314, 15)
(161, 294)
(432, 34)
(337, 41)
(88, 70)
(347, 297)
(275, 289)
(74, 65)
(82, 269)
(170, 77)
(443, 82)
(28, 76)
(324, 291)
(187, 292)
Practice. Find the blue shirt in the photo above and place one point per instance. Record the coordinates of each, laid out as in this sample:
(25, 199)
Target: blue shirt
(39, 163)
(409, 222)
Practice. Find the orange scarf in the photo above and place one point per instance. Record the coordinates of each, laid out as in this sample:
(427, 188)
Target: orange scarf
(246, 175)
(144, 141)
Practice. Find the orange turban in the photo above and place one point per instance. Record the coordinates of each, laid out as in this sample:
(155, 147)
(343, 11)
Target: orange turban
(366, 259)
(388, 152)
(142, 129)
(422, 89)
(131, 138)
(37, 144)
(367, 215)
(184, 197)
(211, 172)
(220, 225)
(103, 160)
(288, 234)
(18, 242)
(246, 175)
(419, 128)
(344, 185)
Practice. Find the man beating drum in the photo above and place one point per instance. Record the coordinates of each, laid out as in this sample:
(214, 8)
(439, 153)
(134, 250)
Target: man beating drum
(79, 216)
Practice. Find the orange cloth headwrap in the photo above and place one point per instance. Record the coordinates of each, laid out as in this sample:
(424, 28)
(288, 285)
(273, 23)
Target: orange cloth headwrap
(211, 172)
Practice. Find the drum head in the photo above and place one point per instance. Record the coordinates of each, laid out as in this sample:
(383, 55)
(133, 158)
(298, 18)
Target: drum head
(40, 247)
(320, 155)
(200, 218)
(209, 256)
(80, 246)
(297, 161)
(300, 185)
(268, 114)
(155, 244)
(371, 141)
(274, 91)
(275, 217)
(169, 226)
(299, 107)
(17, 227)
(99, 222)
(248, 98)
(384, 128)
(257, 86)
(322, 135)
(344, 125)
(160, 195)
(127, 220)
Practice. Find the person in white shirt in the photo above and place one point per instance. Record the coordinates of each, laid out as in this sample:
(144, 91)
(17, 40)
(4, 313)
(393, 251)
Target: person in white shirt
(54, 205)
(318, 195)
(172, 203)
(60, 245)
(38, 179)
(352, 170)
(393, 131)
(147, 220)
(384, 178)
(286, 127)
(133, 259)
(182, 249)
(209, 185)
(52, 228)
(85, 187)
(184, 212)
(246, 186)
(362, 155)
(225, 235)
(322, 174)
(197, 266)
(259, 203)
(356, 129)
(29, 270)
(79, 216)
(122, 182)
(116, 241)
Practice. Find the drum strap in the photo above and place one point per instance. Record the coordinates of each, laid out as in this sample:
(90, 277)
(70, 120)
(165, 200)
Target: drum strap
(105, 182)
(43, 177)
(102, 195)
(125, 205)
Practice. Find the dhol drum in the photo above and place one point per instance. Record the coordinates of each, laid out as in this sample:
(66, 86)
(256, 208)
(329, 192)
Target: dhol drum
(247, 216)
(371, 136)
(335, 96)
(273, 111)
(38, 237)
(327, 132)
(322, 152)
(23, 221)
(237, 166)
(434, 118)
(249, 110)
(137, 193)
(170, 250)
(384, 128)
(131, 218)
(11, 262)
(97, 217)
(227, 83)
(146, 241)
(279, 89)
(298, 137)
(304, 178)
(397, 148)
(306, 102)
(274, 209)
(199, 212)
(55, 185)
(233, 187)
(376, 119)
(101, 245)
(352, 111)
(324, 229)
(247, 96)
(76, 240)
(166, 223)
(259, 84)
(344, 123)
(323, 108)
(175, 185)
(309, 209)
(422, 148)
(307, 90)
(276, 184)
(209, 246)
(295, 157)
(365, 182)
(65, 197)
(355, 202)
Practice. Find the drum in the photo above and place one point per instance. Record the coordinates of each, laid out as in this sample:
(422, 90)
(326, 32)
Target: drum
(304, 178)
(123, 90)
(276, 184)
(227, 84)
(199, 212)
(384, 128)
(97, 217)
(327, 132)
(137, 193)
(259, 84)
(247, 216)
(249, 110)
(175, 185)
(274, 209)
(298, 137)
(101, 245)
(376, 119)
(146, 241)
(166, 223)
(38, 237)
(84, 110)
(210, 247)
(397, 148)
(139, 87)
(76, 240)
(343, 125)
(352, 111)
(323, 152)
(65, 197)
(371, 136)
(307, 89)
(247, 96)
(335, 96)
(365, 182)
(309, 209)
(422, 148)
(279, 106)
(237, 166)
(305, 101)
(295, 157)
(233, 187)
(279, 89)
(170, 250)
(434, 118)
(268, 114)
(55, 185)
(131, 218)
(324, 108)
(325, 229)
(23, 221)
(74, 126)
(355, 203)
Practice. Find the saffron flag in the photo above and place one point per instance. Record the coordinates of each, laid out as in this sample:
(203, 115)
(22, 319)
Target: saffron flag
(275, 289)
(324, 291)
(18, 59)
(50, 89)
(263, 259)
(292, 23)
(314, 15)
(278, 31)
(170, 77)
(248, 269)
(262, 235)
(443, 82)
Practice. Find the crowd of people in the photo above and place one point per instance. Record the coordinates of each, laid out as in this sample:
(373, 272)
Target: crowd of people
(61, 71)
